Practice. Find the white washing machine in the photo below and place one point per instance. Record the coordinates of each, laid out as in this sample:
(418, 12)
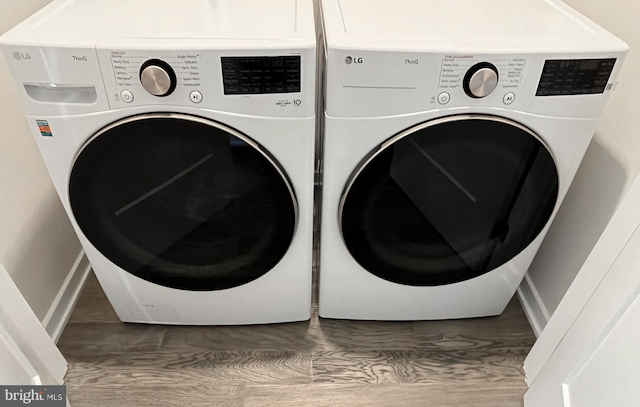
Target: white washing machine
(180, 138)
(452, 133)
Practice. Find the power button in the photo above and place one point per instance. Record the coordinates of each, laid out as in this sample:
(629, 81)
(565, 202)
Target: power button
(444, 98)
(126, 96)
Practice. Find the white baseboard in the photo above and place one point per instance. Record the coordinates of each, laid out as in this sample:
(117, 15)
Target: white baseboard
(60, 311)
(533, 306)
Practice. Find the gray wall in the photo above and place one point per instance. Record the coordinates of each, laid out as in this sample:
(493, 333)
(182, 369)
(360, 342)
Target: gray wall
(611, 164)
(38, 246)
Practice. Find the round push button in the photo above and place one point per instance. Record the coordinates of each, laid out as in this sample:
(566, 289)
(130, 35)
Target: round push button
(509, 98)
(444, 98)
(195, 96)
(126, 96)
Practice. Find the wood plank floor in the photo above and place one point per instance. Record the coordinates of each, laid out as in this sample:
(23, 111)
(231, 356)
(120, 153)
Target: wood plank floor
(473, 362)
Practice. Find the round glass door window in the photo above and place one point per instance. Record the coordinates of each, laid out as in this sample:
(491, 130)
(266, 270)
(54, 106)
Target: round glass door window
(448, 200)
(183, 202)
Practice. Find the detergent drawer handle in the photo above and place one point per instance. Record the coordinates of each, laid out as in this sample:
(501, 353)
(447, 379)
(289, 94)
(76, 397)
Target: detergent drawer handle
(59, 93)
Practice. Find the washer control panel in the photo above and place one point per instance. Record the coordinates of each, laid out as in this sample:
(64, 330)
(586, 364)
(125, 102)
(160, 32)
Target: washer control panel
(139, 77)
(257, 75)
(268, 82)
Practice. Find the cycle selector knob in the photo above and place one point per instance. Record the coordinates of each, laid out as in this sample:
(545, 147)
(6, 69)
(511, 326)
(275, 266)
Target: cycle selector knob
(157, 77)
(480, 80)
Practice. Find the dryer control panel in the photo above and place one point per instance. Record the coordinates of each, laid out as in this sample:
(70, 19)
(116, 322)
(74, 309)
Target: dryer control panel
(383, 83)
(458, 69)
(575, 76)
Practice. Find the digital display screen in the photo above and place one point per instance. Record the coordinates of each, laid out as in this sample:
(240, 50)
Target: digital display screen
(258, 75)
(575, 76)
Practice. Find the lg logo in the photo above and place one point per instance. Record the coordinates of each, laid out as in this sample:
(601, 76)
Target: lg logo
(20, 55)
(351, 60)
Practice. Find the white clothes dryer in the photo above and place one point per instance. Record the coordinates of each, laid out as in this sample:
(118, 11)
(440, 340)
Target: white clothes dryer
(180, 138)
(452, 133)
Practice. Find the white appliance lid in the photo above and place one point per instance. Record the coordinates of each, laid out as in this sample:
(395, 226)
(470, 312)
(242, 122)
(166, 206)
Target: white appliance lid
(489, 24)
(75, 22)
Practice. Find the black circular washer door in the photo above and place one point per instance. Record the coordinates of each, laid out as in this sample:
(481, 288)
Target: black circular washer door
(448, 200)
(183, 202)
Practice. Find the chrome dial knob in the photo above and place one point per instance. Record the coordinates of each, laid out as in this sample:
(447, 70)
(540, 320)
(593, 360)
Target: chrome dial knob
(481, 80)
(157, 77)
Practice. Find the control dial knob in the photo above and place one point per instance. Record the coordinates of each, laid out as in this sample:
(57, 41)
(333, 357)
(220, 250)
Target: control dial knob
(157, 77)
(480, 80)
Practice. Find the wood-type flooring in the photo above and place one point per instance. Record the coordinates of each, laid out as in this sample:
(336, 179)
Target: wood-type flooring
(321, 362)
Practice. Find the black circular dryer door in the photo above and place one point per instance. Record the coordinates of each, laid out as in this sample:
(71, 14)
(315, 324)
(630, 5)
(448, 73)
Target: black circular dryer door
(448, 200)
(183, 202)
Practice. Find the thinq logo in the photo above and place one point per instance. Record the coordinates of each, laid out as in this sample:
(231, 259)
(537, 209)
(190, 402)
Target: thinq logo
(45, 396)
